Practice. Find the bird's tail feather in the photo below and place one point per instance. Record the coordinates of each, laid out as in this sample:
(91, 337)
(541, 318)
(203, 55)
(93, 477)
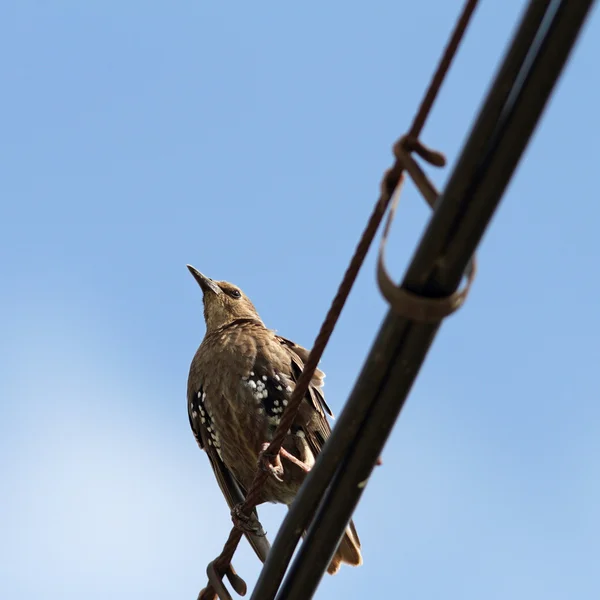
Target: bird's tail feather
(348, 551)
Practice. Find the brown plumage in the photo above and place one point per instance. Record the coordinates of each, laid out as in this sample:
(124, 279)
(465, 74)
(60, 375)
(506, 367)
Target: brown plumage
(240, 381)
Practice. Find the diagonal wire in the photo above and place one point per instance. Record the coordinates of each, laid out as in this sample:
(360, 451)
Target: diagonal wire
(392, 179)
(486, 164)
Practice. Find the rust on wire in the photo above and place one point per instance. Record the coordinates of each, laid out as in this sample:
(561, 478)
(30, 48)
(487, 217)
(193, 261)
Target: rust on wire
(221, 566)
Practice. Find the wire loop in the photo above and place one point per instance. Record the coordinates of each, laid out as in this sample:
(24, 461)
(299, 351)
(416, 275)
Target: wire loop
(402, 301)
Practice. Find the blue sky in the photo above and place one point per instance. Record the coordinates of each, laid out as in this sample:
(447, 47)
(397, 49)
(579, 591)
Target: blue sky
(249, 140)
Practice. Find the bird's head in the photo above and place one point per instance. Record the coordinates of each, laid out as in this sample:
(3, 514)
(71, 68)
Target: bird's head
(223, 302)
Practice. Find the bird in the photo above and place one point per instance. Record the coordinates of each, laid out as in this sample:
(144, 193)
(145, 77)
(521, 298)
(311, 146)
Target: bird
(240, 381)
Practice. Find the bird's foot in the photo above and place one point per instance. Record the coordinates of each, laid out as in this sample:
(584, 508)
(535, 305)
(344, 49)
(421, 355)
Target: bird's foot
(246, 523)
(271, 463)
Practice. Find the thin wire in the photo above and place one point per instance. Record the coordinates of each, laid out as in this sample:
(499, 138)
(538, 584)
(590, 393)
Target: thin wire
(391, 181)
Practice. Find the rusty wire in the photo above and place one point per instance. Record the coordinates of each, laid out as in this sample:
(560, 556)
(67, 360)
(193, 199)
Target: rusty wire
(221, 566)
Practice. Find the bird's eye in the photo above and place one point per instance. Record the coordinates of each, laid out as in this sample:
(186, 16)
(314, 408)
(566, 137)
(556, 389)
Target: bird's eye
(234, 293)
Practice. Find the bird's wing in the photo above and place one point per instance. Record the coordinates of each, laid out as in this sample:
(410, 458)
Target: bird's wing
(316, 428)
(299, 356)
(232, 490)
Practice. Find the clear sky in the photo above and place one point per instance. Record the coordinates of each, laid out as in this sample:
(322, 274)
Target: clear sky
(249, 139)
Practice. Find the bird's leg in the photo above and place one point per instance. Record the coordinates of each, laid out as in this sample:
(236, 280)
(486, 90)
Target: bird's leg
(271, 463)
(294, 460)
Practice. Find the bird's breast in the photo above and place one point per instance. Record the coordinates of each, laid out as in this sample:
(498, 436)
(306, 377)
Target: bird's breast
(247, 384)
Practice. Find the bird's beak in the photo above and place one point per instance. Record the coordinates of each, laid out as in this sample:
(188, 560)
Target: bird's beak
(204, 282)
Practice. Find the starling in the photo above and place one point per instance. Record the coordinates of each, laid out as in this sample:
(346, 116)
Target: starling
(240, 381)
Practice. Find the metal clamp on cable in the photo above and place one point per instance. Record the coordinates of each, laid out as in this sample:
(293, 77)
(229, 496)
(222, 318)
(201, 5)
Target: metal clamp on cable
(403, 302)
